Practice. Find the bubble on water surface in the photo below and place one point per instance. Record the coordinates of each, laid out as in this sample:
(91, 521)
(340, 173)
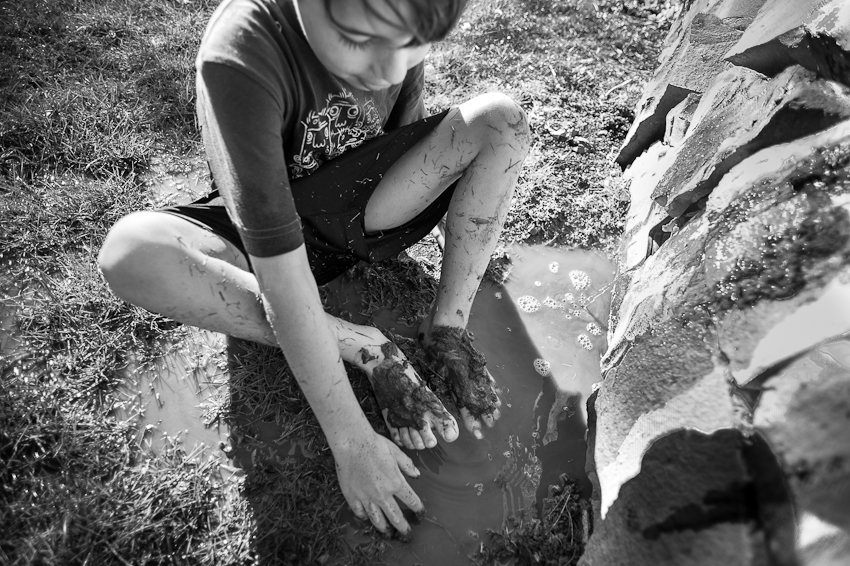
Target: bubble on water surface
(541, 366)
(479, 488)
(585, 342)
(498, 294)
(528, 303)
(594, 329)
(568, 316)
(551, 303)
(538, 283)
(580, 279)
(553, 267)
(577, 313)
(569, 298)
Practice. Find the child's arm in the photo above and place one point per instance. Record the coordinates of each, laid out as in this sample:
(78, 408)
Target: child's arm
(368, 465)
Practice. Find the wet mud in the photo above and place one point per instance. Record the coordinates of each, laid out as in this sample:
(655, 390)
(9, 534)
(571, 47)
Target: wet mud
(406, 401)
(463, 369)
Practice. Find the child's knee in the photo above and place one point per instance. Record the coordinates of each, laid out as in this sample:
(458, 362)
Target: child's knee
(505, 120)
(122, 253)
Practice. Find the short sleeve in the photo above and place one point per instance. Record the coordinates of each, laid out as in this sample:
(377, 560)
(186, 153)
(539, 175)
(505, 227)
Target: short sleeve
(241, 128)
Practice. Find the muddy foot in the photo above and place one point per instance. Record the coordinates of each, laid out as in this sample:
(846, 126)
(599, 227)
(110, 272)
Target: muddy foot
(411, 410)
(464, 370)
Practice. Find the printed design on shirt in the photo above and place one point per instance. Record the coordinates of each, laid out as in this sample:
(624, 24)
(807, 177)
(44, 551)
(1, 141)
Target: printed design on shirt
(341, 125)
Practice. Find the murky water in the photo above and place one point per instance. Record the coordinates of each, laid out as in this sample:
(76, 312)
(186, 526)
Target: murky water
(470, 486)
(542, 334)
(176, 396)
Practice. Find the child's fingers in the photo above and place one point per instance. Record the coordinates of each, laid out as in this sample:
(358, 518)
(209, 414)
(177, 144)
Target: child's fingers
(393, 512)
(359, 511)
(406, 465)
(407, 496)
(377, 517)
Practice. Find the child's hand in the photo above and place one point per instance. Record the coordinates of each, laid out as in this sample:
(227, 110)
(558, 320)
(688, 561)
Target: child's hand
(370, 475)
(411, 410)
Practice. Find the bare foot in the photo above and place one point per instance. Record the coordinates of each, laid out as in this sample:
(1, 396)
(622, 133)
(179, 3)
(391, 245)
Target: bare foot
(463, 369)
(411, 410)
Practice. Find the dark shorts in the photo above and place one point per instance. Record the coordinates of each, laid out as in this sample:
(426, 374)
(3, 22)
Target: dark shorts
(333, 228)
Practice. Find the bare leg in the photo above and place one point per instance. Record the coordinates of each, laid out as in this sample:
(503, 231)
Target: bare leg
(483, 142)
(168, 265)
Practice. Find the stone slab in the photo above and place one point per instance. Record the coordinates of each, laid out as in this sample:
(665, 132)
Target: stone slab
(797, 192)
(804, 412)
(738, 14)
(691, 67)
(792, 105)
(679, 119)
(811, 33)
(644, 213)
(688, 507)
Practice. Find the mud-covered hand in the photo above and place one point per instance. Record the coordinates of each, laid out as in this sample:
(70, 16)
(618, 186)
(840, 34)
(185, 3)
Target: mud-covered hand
(370, 476)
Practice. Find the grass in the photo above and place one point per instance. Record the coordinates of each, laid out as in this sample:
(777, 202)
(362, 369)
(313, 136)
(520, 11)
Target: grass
(93, 91)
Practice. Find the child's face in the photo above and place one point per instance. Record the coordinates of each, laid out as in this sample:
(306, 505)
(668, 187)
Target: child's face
(369, 52)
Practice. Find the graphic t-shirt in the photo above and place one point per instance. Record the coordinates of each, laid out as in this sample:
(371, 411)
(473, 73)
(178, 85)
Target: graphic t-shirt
(269, 112)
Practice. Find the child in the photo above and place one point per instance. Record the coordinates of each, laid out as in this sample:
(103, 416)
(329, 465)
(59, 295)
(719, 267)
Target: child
(313, 121)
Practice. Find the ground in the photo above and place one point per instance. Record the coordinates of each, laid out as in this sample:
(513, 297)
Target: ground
(93, 95)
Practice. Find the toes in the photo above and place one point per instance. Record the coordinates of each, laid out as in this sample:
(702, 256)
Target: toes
(489, 420)
(448, 428)
(428, 436)
(471, 423)
(416, 438)
(405, 438)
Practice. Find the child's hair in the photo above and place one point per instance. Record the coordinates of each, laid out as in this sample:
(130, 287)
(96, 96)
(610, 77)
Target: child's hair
(431, 20)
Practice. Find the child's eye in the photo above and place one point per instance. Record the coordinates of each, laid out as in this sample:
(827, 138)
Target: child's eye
(354, 44)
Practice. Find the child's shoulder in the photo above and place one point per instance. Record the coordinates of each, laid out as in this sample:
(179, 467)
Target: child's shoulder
(237, 25)
(259, 38)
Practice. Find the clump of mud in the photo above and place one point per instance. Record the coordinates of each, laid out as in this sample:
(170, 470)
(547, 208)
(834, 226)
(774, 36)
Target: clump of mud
(463, 368)
(406, 401)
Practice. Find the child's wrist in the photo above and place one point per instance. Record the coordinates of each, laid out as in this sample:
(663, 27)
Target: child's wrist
(351, 437)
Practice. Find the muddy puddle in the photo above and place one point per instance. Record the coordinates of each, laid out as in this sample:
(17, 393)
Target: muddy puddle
(542, 333)
(176, 398)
